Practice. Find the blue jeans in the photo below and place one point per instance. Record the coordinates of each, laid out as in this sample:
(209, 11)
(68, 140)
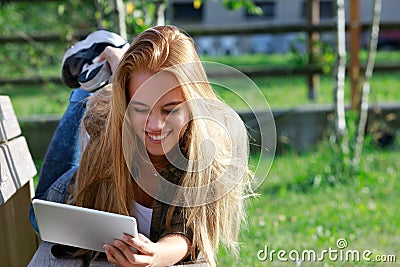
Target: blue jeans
(63, 154)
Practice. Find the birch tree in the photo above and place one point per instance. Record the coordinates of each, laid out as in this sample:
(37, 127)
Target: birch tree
(120, 10)
(366, 83)
(159, 17)
(340, 73)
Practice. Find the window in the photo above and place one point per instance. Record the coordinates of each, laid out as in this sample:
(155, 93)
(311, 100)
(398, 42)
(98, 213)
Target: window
(326, 9)
(186, 13)
(268, 9)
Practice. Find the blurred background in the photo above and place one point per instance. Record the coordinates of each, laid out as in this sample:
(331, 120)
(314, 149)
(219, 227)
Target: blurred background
(334, 172)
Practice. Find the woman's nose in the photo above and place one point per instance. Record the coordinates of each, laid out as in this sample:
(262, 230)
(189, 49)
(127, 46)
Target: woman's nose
(155, 122)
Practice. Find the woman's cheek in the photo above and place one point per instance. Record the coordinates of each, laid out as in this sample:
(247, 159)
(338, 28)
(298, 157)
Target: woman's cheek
(177, 122)
(138, 124)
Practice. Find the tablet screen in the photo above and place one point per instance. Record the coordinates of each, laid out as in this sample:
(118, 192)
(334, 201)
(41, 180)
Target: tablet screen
(80, 227)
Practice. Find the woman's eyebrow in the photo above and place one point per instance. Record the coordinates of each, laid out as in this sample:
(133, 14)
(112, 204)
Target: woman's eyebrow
(173, 103)
(138, 103)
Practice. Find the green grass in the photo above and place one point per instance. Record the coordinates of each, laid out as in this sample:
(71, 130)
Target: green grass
(362, 210)
(37, 99)
(288, 92)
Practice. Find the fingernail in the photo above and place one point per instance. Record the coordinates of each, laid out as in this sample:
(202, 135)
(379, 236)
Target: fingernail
(126, 238)
(105, 247)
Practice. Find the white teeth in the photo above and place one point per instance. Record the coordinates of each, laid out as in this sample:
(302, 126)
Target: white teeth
(157, 137)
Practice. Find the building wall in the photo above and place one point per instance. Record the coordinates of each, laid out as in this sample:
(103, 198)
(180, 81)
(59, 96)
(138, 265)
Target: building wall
(286, 12)
(217, 15)
(390, 10)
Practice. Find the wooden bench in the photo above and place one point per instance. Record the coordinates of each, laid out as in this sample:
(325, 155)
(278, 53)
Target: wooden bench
(18, 241)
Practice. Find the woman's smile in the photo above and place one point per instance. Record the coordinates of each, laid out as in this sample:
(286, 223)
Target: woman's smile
(157, 138)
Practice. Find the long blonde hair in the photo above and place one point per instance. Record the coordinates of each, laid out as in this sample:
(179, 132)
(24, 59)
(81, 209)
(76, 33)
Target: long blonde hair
(213, 213)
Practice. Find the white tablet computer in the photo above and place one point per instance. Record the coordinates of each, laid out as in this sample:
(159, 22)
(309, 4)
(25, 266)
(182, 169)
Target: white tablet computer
(80, 227)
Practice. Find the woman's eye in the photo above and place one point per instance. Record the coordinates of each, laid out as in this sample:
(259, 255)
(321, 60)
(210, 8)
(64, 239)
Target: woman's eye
(140, 110)
(171, 111)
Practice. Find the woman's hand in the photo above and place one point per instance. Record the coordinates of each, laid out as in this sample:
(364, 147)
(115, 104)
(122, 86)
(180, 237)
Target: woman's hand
(113, 55)
(167, 251)
(122, 254)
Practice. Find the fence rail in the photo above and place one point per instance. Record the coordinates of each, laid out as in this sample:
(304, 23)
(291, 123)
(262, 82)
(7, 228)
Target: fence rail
(196, 31)
(250, 72)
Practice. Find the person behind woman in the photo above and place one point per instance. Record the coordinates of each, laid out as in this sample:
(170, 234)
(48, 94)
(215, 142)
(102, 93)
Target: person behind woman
(168, 152)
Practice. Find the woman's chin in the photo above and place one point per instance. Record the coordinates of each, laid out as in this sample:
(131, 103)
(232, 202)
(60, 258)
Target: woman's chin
(157, 152)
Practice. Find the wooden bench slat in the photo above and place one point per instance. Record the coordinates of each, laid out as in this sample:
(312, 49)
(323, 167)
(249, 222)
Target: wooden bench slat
(9, 127)
(17, 167)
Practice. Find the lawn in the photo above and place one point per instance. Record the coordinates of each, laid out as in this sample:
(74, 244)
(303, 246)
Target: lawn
(290, 214)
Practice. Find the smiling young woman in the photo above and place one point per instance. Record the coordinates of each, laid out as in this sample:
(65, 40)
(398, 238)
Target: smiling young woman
(164, 149)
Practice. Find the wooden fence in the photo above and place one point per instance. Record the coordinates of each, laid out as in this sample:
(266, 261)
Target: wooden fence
(204, 31)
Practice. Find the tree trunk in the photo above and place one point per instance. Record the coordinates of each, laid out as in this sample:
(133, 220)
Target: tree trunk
(313, 17)
(121, 18)
(340, 73)
(366, 84)
(354, 45)
(159, 17)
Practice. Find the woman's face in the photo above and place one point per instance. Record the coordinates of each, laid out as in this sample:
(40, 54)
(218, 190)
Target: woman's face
(157, 111)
